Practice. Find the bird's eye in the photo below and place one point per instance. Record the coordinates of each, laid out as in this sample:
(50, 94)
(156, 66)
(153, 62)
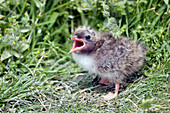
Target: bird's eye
(88, 37)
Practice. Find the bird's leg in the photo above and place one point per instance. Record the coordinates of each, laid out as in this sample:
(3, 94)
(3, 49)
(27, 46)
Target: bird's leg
(110, 95)
(104, 81)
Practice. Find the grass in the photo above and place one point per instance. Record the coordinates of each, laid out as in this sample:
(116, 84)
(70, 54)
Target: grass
(37, 74)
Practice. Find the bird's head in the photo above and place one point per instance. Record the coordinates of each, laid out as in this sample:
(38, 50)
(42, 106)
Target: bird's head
(84, 40)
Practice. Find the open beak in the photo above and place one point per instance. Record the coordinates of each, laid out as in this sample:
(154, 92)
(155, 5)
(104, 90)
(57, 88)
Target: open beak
(77, 45)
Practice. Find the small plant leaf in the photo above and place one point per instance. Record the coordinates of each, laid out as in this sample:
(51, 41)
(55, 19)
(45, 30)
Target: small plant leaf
(23, 47)
(121, 3)
(166, 2)
(24, 30)
(53, 19)
(5, 55)
(38, 3)
(16, 54)
(146, 104)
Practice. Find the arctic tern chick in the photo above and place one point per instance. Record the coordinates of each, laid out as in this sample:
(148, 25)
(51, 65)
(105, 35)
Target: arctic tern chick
(112, 59)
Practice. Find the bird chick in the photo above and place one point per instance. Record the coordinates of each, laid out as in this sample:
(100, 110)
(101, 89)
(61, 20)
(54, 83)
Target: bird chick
(112, 59)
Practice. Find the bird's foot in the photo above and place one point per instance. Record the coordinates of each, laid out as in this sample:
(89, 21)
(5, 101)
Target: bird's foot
(110, 96)
(104, 81)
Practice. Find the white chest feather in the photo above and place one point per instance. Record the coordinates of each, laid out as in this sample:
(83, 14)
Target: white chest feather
(85, 61)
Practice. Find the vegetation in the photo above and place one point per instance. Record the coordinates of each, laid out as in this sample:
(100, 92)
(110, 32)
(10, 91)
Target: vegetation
(37, 74)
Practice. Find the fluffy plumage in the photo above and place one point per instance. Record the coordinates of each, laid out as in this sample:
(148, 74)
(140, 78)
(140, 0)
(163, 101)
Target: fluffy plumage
(102, 54)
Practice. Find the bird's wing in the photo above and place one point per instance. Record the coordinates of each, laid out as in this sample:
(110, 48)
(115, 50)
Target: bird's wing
(122, 55)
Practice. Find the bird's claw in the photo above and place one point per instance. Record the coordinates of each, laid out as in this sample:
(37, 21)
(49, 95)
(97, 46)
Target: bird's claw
(110, 96)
